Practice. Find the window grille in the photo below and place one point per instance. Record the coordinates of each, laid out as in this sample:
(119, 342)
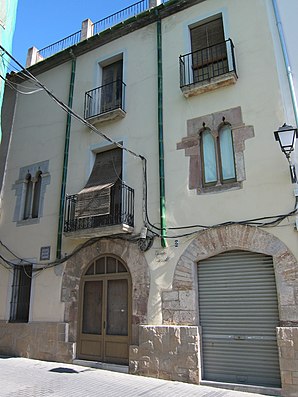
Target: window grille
(20, 294)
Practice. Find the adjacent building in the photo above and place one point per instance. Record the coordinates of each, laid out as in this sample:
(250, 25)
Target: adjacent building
(154, 225)
(8, 10)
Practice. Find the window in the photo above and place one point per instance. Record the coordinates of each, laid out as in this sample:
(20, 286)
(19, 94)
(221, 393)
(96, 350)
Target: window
(210, 64)
(30, 190)
(36, 195)
(215, 146)
(217, 156)
(208, 47)
(28, 196)
(20, 294)
(111, 96)
(107, 102)
(32, 195)
(104, 201)
(98, 197)
(227, 160)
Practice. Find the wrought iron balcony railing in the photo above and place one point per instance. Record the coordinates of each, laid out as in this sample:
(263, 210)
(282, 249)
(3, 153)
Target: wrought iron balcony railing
(121, 211)
(207, 63)
(104, 99)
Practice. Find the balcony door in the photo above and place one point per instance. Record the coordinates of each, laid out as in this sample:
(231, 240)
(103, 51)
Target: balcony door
(111, 95)
(105, 312)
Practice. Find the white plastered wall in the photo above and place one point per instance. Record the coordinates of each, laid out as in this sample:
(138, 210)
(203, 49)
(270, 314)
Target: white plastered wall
(266, 191)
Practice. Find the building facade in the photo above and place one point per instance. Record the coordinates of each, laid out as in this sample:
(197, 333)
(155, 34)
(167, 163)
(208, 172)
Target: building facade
(8, 10)
(154, 224)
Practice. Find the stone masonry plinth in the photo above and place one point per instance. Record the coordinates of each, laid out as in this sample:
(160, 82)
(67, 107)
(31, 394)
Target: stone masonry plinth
(38, 340)
(166, 352)
(287, 339)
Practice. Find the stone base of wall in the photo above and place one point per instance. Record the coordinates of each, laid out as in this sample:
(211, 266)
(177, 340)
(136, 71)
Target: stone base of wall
(287, 339)
(167, 352)
(37, 340)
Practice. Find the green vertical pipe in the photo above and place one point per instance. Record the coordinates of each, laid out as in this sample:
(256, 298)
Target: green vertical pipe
(162, 203)
(65, 160)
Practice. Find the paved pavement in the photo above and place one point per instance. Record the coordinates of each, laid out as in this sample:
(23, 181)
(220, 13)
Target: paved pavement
(21, 377)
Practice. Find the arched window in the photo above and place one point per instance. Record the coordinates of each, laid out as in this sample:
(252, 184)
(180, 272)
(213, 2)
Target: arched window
(36, 195)
(208, 152)
(217, 156)
(30, 191)
(28, 197)
(227, 160)
(221, 154)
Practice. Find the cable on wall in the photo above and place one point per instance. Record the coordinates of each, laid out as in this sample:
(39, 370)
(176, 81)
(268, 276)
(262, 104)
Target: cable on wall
(155, 231)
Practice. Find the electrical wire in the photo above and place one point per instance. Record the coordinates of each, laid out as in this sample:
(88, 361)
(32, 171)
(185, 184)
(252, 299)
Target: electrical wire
(41, 266)
(275, 220)
(17, 90)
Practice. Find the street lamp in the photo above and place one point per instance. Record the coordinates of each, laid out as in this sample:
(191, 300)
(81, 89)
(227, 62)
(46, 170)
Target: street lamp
(286, 136)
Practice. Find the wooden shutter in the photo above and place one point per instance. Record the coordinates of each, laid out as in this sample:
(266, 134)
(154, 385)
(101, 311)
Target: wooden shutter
(112, 72)
(111, 86)
(95, 198)
(207, 34)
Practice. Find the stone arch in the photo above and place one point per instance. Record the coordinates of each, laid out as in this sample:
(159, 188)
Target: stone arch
(180, 304)
(76, 266)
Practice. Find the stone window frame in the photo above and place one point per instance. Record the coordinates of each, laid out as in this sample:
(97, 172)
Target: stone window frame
(192, 146)
(20, 186)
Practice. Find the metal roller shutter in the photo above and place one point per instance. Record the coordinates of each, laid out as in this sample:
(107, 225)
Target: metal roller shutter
(238, 313)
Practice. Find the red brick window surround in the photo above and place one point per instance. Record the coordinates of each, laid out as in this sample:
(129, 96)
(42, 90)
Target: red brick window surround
(210, 127)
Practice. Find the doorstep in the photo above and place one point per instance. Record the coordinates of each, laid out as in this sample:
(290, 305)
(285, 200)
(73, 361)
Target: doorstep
(99, 365)
(268, 391)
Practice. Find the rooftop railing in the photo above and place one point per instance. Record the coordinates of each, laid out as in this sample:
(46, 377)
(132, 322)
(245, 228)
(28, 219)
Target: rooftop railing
(60, 45)
(120, 16)
(97, 27)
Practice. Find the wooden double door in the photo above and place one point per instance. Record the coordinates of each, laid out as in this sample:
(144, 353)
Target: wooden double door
(105, 312)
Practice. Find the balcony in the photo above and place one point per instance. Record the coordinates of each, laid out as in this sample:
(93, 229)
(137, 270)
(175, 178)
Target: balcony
(105, 212)
(208, 69)
(106, 102)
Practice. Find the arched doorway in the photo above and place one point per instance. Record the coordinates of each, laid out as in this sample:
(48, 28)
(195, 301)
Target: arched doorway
(104, 327)
(213, 242)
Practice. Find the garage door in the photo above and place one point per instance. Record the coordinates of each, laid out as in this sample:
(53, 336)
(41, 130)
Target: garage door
(238, 314)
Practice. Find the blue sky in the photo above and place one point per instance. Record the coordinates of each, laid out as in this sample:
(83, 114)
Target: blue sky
(42, 22)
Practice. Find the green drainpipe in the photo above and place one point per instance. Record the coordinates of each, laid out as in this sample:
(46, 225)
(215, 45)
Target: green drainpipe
(162, 203)
(65, 160)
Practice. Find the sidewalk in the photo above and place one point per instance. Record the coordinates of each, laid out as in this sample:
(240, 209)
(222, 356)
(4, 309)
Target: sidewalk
(20, 377)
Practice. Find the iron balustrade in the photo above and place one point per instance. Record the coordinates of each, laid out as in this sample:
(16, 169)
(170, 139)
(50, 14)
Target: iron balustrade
(207, 63)
(60, 45)
(120, 16)
(121, 211)
(104, 99)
